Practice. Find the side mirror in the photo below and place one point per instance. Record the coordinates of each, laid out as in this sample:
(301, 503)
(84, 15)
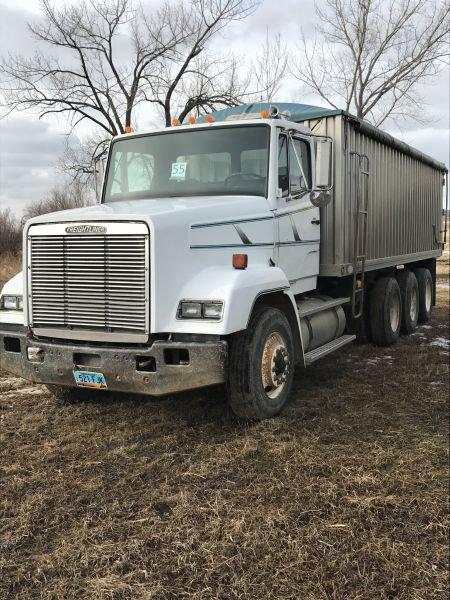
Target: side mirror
(321, 195)
(320, 198)
(324, 158)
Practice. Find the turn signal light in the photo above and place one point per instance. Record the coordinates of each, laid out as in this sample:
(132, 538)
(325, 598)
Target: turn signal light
(240, 261)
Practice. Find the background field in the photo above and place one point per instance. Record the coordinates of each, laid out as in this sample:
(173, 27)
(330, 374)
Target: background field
(344, 496)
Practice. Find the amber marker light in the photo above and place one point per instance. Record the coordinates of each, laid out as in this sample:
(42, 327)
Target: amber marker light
(209, 119)
(129, 129)
(192, 120)
(240, 261)
(175, 122)
(264, 114)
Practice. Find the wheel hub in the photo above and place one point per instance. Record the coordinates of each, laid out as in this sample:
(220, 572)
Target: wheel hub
(414, 307)
(275, 365)
(395, 313)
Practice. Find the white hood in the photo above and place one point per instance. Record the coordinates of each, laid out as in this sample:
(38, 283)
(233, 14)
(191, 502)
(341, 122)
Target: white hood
(192, 241)
(196, 207)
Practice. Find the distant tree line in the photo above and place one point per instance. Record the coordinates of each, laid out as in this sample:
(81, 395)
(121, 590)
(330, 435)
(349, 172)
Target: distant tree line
(64, 197)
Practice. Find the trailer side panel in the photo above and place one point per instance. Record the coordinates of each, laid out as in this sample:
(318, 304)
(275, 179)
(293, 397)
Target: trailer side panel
(405, 198)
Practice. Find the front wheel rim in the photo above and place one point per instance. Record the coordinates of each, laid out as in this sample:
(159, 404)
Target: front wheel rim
(275, 365)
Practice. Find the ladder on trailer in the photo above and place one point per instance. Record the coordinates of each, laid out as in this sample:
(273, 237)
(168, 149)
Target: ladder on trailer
(359, 196)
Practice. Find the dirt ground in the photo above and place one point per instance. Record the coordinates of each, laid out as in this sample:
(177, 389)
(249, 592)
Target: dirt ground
(344, 496)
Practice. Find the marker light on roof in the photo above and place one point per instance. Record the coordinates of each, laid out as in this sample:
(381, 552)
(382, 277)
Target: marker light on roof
(192, 120)
(209, 119)
(175, 122)
(264, 114)
(128, 129)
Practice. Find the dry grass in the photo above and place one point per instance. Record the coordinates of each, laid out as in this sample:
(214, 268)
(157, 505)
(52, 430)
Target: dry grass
(10, 265)
(344, 496)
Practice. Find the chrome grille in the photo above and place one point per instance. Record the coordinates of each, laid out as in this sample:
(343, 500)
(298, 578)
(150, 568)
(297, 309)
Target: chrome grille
(90, 282)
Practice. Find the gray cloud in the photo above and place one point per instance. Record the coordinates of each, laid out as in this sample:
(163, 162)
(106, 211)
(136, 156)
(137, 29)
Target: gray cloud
(29, 150)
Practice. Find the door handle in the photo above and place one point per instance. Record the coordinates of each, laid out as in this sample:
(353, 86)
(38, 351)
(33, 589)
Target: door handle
(315, 222)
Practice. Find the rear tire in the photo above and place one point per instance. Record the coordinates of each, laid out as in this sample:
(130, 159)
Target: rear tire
(261, 366)
(425, 283)
(385, 311)
(409, 291)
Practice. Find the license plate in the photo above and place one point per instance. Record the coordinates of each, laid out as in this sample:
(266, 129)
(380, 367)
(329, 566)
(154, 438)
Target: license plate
(90, 379)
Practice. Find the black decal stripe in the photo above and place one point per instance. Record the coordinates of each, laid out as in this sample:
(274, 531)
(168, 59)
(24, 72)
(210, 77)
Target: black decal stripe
(280, 214)
(250, 220)
(294, 229)
(301, 243)
(267, 244)
(207, 246)
(231, 222)
(241, 234)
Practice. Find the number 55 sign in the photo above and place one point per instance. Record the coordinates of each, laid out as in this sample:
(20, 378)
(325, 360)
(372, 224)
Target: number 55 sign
(178, 170)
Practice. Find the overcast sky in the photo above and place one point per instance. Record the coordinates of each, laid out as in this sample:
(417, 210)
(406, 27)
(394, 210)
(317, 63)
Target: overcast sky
(30, 148)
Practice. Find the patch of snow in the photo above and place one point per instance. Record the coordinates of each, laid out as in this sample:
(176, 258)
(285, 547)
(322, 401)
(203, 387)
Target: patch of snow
(443, 286)
(11, 383)
(376, 359)
(440, 342)
(31, 391)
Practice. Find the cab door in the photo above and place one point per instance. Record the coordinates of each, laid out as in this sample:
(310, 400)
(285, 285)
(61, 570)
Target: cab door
(297, 219)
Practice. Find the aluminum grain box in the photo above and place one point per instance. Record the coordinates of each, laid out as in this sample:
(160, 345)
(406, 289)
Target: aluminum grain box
(404, 196)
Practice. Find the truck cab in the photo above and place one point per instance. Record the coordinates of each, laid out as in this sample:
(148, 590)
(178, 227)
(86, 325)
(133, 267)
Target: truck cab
(199, 266)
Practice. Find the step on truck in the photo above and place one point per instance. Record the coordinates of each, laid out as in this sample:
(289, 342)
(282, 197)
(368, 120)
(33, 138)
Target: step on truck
(228, 251)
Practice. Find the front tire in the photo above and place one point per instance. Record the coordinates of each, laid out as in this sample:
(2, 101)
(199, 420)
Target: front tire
(385, 311)
(261, 366)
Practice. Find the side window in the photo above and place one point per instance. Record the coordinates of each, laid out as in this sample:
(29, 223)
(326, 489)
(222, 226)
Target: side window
(300, 166)
(283, 172)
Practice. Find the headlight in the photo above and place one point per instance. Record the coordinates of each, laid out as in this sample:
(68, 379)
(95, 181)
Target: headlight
(191, 310)
(11, 303)
(196, 309)
(212, 310)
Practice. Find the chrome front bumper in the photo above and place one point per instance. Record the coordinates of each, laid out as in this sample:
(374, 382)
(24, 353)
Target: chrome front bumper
(165, 367)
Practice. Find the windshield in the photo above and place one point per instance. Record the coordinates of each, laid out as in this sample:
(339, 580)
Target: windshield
(213, 161)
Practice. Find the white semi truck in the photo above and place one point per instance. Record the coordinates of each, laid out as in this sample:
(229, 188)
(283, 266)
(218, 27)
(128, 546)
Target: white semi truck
(232, 250)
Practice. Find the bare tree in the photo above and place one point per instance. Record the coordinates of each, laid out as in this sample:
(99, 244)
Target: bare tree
(94, 83)
(10, 232)
(270, 66)
(370, 56)
(79, 158)
(99, 78)
(59, 198)
(202, 84)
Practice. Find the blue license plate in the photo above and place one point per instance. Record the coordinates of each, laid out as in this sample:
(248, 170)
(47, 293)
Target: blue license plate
(90, 379)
